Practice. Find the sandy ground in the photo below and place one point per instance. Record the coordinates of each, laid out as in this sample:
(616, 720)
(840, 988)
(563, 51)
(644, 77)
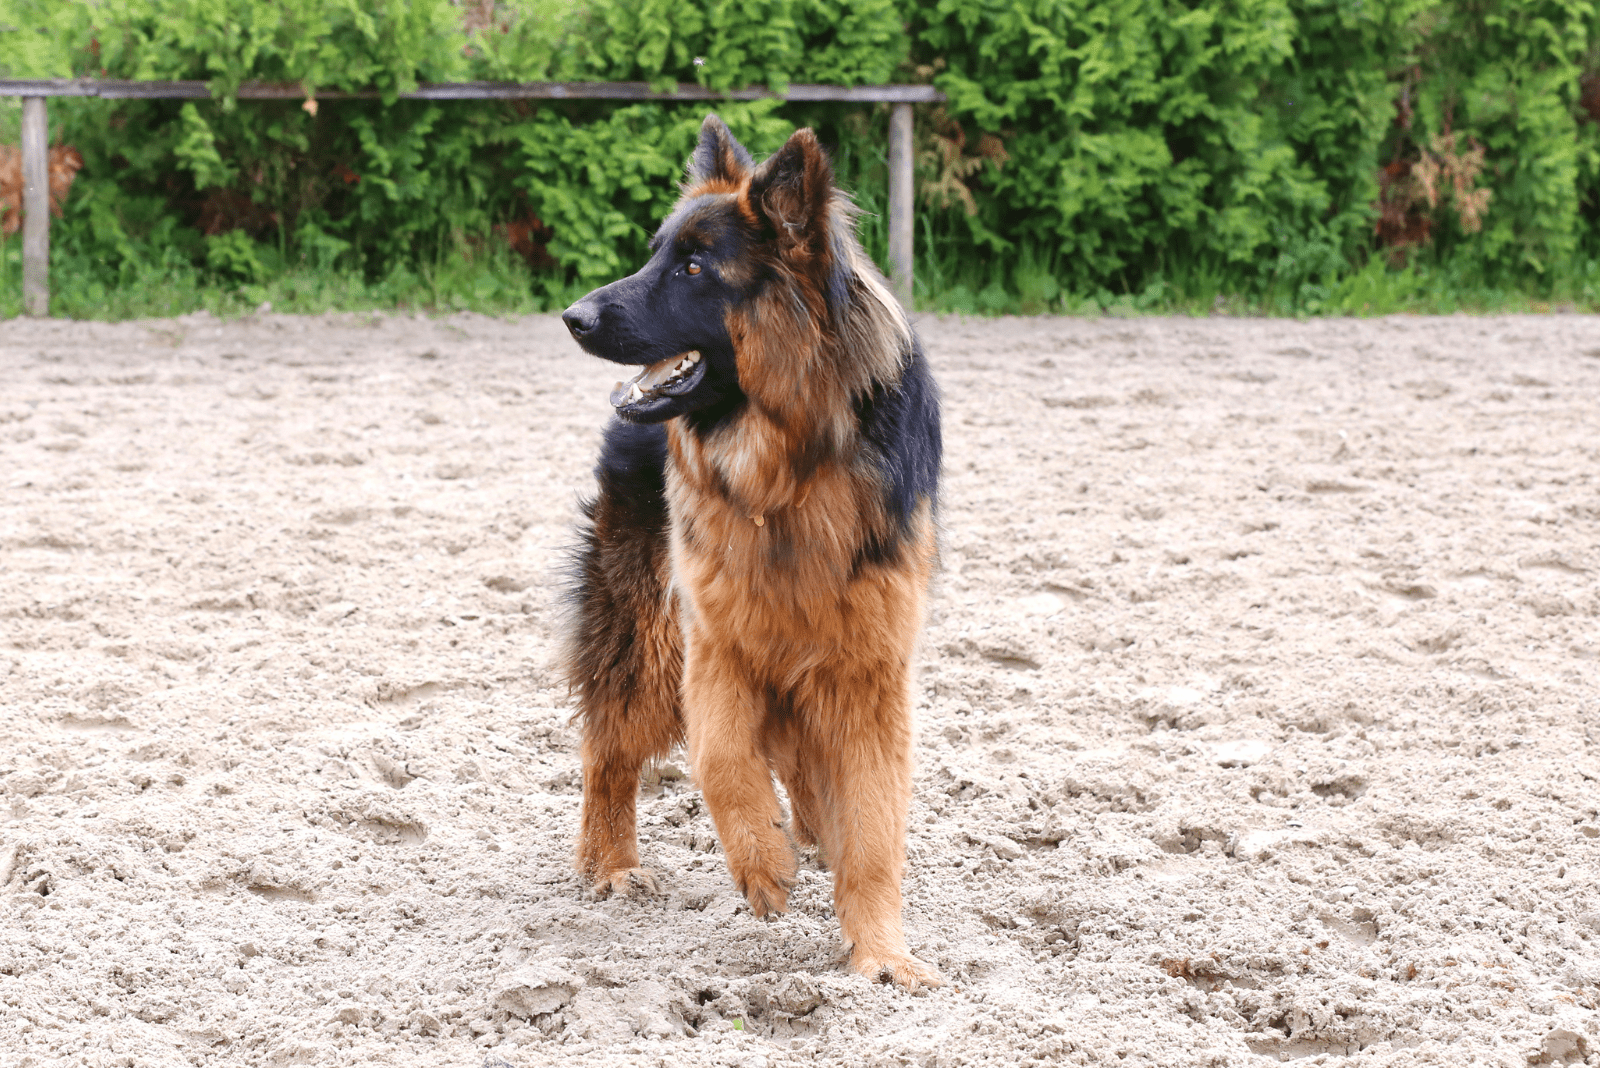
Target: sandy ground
(1259, 709)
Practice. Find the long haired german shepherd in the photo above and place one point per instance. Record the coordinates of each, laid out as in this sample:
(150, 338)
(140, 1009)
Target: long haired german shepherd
(753, 574)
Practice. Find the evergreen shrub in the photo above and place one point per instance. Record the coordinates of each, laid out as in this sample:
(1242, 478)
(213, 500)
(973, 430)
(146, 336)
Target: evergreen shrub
(1131, 153)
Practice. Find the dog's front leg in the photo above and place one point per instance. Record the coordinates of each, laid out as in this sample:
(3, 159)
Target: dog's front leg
(859, 741)
(723, 711)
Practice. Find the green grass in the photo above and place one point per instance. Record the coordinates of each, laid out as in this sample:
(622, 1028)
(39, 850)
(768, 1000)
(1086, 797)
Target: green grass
(491, 281)
(1027, 285)
(485, 278)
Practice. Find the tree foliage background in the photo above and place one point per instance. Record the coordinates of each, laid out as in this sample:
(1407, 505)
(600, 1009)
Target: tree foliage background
(1280, 148)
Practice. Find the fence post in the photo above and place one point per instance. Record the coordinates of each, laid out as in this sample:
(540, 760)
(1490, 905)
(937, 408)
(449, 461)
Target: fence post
(900, 202)
(35, 207)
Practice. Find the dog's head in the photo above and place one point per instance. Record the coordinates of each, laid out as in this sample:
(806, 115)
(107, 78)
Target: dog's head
(738, 230)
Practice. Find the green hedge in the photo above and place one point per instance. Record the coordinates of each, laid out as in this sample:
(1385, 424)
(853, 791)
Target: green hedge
(1110, 147)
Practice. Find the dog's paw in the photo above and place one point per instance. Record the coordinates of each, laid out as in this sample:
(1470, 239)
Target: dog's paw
(767, 892)
(624, 882)
(902, 969)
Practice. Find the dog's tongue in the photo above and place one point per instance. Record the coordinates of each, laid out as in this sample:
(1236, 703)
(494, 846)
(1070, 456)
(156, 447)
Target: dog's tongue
(653, 378)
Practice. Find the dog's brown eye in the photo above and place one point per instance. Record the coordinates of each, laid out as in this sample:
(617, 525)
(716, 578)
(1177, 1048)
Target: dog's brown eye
(693, 268)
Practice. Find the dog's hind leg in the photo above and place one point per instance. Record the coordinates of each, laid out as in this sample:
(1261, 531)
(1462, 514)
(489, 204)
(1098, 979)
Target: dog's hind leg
(725, 713)
(781, 742)
(626, 655)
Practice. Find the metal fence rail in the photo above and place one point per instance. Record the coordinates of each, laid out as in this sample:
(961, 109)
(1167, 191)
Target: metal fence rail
(36, 134)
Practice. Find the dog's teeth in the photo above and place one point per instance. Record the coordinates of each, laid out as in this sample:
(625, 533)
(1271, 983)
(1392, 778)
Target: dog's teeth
(692, 356)
(634, 393)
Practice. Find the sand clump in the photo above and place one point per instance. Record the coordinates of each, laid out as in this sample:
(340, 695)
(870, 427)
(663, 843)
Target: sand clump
(1258, 709)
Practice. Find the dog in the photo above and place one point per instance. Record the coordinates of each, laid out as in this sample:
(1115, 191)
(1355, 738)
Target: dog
(753, 573)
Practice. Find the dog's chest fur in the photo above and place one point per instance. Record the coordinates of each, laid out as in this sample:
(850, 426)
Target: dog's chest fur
(767, 557)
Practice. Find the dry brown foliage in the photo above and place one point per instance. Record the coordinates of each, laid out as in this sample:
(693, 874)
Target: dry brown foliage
(944, 152)
(65, 163)
(1411, 192)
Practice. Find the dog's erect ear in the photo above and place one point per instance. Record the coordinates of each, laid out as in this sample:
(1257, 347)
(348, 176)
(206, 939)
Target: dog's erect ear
(792, 189)
(718, 157)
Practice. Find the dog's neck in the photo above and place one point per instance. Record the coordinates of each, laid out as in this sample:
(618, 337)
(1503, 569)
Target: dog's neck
(755, 465)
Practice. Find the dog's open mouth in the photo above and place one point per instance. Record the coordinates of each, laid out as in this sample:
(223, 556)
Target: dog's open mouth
(669, 378)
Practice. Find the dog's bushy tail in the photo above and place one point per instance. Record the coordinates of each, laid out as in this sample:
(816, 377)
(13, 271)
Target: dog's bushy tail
(622, 645)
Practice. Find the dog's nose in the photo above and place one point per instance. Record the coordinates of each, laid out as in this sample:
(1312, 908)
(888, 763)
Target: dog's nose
(581, 319)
